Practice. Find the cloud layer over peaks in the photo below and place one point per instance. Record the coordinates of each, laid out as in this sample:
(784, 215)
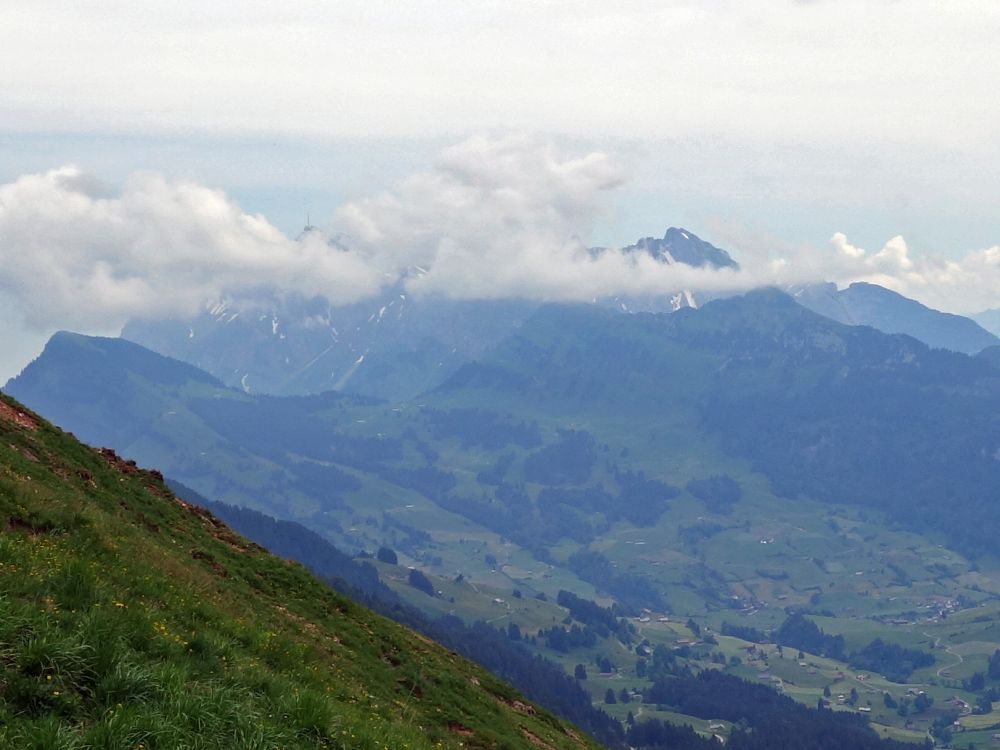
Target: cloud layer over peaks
(967, 284)
(504, 217)
(74, 255)
(492, 217)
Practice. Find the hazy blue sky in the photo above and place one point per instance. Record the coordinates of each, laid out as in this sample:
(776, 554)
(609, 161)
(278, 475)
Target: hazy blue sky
(767, 127)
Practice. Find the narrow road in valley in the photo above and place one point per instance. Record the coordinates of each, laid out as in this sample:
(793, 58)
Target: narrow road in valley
(957, 655)
(948, 650)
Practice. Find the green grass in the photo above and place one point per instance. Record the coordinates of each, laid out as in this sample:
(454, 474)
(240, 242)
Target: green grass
(130, 620)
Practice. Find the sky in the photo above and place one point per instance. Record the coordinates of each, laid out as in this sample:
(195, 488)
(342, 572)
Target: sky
(155, 155)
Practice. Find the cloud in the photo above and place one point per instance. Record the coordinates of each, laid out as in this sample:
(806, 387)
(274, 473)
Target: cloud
(965, 283)
(74, 254)
(493, 217)
(968, 284)
(508, 217)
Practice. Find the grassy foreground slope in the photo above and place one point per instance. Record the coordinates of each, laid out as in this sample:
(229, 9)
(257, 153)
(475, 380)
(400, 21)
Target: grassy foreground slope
(131, 619)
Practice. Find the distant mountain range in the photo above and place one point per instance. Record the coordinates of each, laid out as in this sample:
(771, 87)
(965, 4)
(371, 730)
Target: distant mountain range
(395, 346)
(878, 307)
(989, 319)
(392, 346)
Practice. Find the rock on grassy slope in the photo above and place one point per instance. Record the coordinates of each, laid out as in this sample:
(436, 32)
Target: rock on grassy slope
(129, 618)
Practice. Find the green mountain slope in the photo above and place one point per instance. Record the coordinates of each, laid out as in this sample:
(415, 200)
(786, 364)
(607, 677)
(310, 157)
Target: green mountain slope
(839, 413)
(131, 619)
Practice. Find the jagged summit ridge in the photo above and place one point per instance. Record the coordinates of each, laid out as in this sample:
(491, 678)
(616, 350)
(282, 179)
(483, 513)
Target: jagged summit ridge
(682, 246)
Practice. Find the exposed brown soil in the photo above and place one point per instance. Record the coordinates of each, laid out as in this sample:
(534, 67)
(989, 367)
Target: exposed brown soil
(118, 463)
(19, 524)
(27, 454)
(18, 417)
(521, 708)
(197, 554)
(459, 729)
(535, 740)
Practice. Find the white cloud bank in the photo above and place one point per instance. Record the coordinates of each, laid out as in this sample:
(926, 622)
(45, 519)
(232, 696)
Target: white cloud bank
(494, 217)
(506, 217)
(72, 255)
(968, 284)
